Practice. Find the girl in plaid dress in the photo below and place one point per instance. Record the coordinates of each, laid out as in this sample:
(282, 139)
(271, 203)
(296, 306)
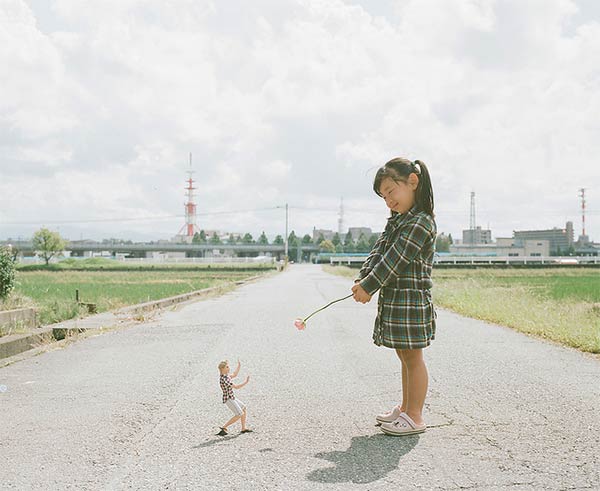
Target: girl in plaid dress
(399, 267)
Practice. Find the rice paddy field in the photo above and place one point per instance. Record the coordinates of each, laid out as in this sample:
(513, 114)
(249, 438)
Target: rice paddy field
(559, 304)
(52, 291)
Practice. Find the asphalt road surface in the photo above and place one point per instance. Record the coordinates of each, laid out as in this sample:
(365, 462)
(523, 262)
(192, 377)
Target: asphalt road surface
(138, 408)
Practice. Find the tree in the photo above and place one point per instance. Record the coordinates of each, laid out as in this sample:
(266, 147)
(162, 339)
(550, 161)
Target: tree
(293, 242)
(320, 239)
(199, 238)
(442, 243)
(307, 239)
(348, 240)
(327, 246)
(336, 239)
(247, 238)
(48, 244)
(351, 247)
(292, 239)
(231, 239)
(7, 273)
(362, 245)
(278, 240)
(215, 239)
(339, 248)
(13, 252)
(262, 240)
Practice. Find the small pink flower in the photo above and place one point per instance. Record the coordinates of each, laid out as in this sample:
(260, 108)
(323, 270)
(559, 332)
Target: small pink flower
(301, 323)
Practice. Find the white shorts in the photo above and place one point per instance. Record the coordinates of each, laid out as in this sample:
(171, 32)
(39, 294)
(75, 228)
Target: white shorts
(237, 407)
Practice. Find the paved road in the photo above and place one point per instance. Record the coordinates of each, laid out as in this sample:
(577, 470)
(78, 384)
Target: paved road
(138, 408)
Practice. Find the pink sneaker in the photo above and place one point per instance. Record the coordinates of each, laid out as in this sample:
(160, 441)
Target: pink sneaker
(388, 417)
(404, 425)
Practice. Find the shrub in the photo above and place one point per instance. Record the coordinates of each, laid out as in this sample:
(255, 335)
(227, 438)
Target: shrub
(7, 273)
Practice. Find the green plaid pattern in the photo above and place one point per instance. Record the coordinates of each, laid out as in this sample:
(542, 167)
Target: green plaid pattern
(400, 267)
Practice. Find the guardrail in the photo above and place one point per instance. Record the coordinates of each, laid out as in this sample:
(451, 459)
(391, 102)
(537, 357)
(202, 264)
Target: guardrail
(517, 260)
(198, 260)
(349, 260)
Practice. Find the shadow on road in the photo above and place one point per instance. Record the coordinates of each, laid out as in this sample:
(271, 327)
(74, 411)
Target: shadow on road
(216, 441)
(368, 459)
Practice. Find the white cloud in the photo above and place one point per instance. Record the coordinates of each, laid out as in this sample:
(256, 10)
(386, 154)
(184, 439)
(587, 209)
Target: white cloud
(296, 101)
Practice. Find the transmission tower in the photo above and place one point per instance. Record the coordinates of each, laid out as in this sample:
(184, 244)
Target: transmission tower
(189, 228)
(582, 194)
(341, 218)
(472, 221)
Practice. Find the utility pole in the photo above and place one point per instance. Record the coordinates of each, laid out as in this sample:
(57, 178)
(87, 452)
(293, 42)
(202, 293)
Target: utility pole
(341, 218)
(286, 233)
(472, 219)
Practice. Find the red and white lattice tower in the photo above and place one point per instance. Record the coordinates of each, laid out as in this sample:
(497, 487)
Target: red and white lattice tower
(190, 228)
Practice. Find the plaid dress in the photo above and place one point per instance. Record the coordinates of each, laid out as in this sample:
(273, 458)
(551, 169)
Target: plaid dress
(399, 266)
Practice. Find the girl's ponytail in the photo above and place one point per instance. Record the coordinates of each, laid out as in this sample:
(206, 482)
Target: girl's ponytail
(424, 195)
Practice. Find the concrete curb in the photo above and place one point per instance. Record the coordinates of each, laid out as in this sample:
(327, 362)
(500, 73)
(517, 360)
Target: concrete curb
(26, 317)
(17, 344)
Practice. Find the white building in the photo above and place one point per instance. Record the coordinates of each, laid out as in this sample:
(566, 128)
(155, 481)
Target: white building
(504, 247)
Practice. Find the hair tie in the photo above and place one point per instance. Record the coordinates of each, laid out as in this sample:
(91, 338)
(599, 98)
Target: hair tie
(417, 167)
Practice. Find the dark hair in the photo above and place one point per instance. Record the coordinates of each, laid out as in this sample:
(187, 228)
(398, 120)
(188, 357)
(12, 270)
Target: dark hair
(400, 169)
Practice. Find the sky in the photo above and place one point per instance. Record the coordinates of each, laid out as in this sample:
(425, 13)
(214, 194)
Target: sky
(298, 102)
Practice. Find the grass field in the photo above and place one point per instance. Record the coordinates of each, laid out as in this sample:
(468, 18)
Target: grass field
(53, 291)
(562, 305)
(104, 264)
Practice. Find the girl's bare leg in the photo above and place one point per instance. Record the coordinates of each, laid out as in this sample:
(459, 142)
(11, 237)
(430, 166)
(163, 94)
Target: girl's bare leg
(231, 421)
(417, 383)
(244, 420)
(404, 382)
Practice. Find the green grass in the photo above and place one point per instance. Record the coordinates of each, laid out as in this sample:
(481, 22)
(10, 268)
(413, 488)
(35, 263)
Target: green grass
(104, 264)
(562, 305)
(53, 292)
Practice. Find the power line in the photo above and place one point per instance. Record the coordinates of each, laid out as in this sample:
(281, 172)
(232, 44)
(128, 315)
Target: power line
(138, 219)
(439, 212)
(96, 220)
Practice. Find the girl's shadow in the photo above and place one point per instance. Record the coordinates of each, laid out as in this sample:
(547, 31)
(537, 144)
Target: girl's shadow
(216, 441)
(368, 459)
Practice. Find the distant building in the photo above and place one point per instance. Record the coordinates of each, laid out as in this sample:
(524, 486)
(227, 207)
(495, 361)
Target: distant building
(585, 247)
(182, 239)
(356, 232)
(523, 243)
(327, 234)
(561, 240)
(477, 236)
(583, 241)
(504, 247)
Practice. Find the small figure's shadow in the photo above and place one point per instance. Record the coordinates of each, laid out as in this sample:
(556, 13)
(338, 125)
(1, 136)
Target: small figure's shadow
(216, 441)
(368, 459)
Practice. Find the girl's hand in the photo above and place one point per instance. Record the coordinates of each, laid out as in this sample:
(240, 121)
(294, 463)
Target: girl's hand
(359, 294)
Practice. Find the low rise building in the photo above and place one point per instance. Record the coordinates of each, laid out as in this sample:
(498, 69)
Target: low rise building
(561, 239)
(505, 247)
(477, 236)
(356, 232)
(325, 233)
